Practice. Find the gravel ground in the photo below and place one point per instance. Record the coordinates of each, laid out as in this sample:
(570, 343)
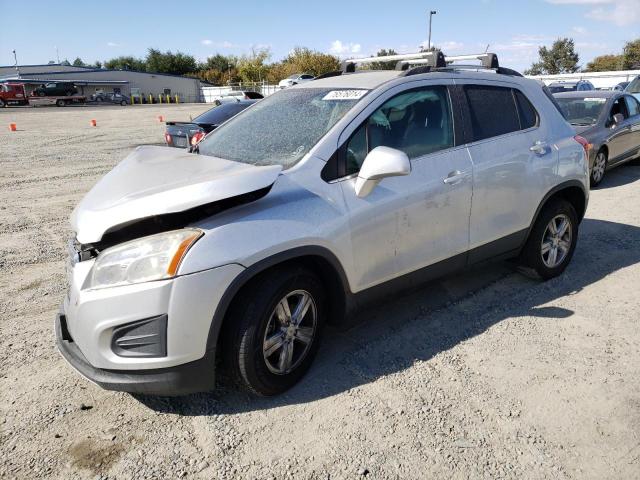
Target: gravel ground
(483, 375)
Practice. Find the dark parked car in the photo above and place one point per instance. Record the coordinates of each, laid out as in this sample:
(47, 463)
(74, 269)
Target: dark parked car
(621, 86)
(610, 121)
(185, 134)
(579, 86)
(54, 89)
(116, 98)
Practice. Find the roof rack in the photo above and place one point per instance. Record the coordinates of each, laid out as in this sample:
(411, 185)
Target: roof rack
(434, 58)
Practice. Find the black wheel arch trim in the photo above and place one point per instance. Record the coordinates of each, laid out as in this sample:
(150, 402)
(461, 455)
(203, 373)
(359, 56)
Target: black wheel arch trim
(276, 259)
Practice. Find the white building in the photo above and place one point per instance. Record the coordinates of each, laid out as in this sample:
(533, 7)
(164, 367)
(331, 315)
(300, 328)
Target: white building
(598, 79)
(90, 79)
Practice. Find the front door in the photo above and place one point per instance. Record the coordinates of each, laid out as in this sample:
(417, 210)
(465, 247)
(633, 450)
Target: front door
(408, 222)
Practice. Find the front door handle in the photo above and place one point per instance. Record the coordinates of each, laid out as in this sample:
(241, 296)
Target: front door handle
(454, 177)
(539, 148)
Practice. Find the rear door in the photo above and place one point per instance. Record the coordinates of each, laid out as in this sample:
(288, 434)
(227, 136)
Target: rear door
(619, 141)
(513, 165)
(633, 107)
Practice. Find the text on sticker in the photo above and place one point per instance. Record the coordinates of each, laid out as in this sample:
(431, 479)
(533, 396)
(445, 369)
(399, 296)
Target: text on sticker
(344, 95)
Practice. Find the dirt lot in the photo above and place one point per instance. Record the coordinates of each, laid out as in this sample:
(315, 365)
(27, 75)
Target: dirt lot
(484, 375)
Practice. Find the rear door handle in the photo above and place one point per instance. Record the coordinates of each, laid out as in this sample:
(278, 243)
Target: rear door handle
(454, 177)
(539, 148)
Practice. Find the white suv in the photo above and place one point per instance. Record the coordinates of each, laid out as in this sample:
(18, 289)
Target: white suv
(304, 207)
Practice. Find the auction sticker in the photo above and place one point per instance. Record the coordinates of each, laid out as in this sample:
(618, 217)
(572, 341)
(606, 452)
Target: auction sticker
(345, 95)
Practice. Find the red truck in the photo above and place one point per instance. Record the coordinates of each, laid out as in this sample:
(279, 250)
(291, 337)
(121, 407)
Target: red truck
(15, 94)
(12, 94)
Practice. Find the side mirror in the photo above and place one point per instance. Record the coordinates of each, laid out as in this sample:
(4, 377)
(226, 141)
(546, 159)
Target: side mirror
(618, 118)
(381, 162)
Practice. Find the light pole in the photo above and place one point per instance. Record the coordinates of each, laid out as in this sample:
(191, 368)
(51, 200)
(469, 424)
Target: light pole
(15, 57)
(431, 14)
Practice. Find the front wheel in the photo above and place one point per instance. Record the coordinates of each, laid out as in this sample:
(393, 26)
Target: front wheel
(552, 240)
(2, 104)
(272, 332)
(599, 168)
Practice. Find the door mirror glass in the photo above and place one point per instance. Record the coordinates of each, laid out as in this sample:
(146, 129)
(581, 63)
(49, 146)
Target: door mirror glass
(381, 162)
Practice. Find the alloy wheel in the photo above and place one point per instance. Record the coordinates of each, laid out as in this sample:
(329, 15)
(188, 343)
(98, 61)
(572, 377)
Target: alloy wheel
(599, 166)
(556, 241)
(290, 332)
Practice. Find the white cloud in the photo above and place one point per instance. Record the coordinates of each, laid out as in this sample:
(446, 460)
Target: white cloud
(578, 30)
(112, 44)
(618, 12)
(223, 44)
(344, 49)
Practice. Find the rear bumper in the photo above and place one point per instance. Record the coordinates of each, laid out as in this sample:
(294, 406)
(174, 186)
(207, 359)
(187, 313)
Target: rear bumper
(192, 377)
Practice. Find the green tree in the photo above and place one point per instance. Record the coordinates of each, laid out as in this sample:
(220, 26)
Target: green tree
(98, 64)
(631, 55)
(168, 62)
(78, 62)
(560, 58)
(253, 67)
(126, 63)
(384, 65)
(605, 63)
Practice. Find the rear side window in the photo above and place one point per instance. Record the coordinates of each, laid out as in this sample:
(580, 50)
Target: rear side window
(526, 112)
(493, 111)
(632, 105)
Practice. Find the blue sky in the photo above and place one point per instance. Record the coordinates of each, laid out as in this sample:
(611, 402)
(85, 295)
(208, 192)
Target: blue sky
(513, 29)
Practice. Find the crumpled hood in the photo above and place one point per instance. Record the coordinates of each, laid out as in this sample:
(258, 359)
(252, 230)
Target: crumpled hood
(160, 180)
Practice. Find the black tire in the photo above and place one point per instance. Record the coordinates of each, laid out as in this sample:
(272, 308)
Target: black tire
(533, 255)
(123, 103)
(60, 103)
(2, 104)
(253, 313)
(599, 168)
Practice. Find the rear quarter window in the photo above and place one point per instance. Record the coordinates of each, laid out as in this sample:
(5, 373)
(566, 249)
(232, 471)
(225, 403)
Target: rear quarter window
(526, 112)
(492, 110)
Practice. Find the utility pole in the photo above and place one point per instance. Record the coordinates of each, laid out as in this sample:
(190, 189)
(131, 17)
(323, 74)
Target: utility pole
(431, 14)
(15, 57)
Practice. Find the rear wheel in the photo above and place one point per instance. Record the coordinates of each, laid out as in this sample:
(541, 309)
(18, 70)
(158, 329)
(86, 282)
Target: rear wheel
(553, 239)
(272, 332)
(60, 103)
(599, 168)
(2, 104)
(123, 103)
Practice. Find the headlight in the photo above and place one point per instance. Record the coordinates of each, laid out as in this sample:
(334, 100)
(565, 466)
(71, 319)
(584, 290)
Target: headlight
(155, 257)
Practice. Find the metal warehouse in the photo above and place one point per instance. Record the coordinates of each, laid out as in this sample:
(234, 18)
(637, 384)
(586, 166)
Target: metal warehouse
(89, 80)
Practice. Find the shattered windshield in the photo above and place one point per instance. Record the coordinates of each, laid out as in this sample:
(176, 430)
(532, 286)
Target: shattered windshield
(282, 128)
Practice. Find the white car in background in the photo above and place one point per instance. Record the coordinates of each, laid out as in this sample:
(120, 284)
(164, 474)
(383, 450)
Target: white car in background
(295, 79)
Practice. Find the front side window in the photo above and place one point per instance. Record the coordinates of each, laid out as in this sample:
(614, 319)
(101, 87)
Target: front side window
(492, 110)
(282, 128)
(618, 107)
(417, 122)
(632, 105)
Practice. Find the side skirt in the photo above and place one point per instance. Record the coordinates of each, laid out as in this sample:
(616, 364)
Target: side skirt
(501, 249)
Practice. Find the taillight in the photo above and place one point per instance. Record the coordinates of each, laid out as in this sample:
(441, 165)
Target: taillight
(168, 139)
(197, 137)
(585, 144)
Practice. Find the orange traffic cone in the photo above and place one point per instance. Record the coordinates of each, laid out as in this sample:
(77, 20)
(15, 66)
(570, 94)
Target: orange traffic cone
(13, 127)
(94, 123)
